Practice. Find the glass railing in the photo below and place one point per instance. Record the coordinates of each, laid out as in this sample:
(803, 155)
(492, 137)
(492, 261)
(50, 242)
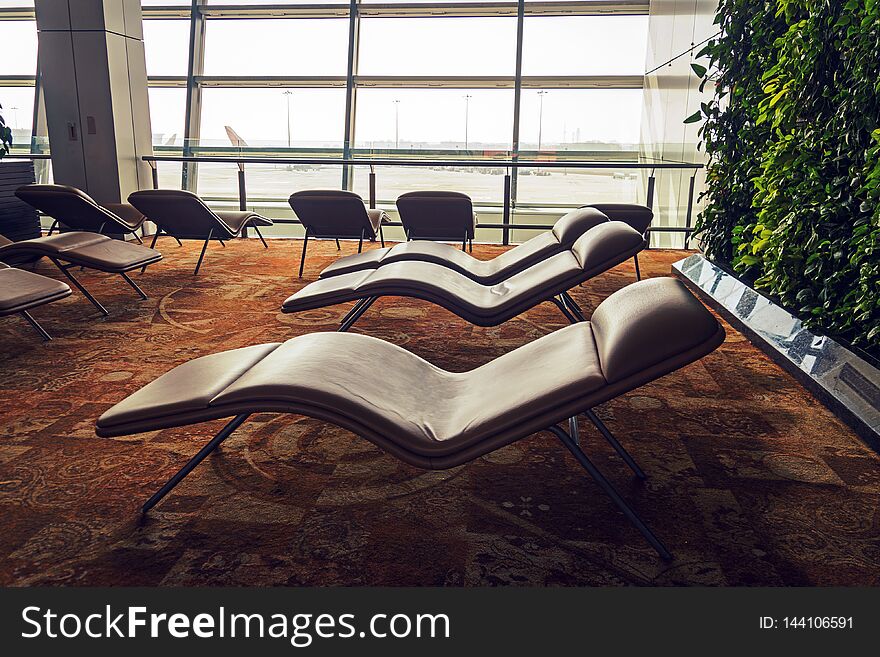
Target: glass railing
(513, 197)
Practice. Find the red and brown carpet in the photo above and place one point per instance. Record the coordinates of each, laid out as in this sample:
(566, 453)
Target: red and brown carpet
(751, 481)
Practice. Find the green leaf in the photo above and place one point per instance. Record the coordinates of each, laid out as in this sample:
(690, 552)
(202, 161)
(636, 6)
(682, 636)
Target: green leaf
(699, 70)
(693, 118)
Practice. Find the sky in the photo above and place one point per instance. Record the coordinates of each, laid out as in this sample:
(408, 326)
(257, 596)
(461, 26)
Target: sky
(597, 45)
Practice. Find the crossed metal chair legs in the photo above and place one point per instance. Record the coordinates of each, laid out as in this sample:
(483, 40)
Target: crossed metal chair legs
(302, 260)
(570, 439)
(65, 269)
(36, 325)
(210, 236)
(100, 231)
(564, 302)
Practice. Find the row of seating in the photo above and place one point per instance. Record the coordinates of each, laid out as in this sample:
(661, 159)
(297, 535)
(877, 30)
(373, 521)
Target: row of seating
(423, 415)
(324, 214)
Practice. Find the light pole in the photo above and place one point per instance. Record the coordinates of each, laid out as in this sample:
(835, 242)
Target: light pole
(288, 94)
(467, 102)
(541, 95)
(396, 124)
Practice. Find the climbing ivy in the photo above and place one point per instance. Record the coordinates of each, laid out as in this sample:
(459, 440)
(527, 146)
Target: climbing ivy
(793, 140)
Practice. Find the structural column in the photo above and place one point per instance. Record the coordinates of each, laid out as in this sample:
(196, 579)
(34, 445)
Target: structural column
(94, 80)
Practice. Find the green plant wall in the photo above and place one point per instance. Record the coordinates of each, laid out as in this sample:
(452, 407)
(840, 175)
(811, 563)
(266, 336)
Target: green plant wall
(793, 140)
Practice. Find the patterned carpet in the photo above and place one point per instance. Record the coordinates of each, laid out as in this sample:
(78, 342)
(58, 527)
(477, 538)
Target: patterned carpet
(751, 481)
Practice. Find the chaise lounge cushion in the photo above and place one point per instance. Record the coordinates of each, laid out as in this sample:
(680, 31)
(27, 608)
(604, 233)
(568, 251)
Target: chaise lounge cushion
(600, 248)
(637, 216)
(336, 213)
(238, 220)
(419, 412)
(184, 215)
(564, 233)
(21, 290)
(85, 249)
(75, 209)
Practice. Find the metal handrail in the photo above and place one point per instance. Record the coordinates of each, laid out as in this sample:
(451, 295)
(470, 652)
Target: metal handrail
(506, 204)
(390, 161)
(509, 164)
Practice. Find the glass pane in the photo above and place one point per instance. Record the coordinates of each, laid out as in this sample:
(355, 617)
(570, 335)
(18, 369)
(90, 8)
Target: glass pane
(170, 175)
(261, 117)
(18, 112)
(437, 46)
(588, 120)
(167, 116)
(18, 48)
(277, 47)
(277, 2)
(166, 43)
(543, 188)
(434, 119)
(584, 45)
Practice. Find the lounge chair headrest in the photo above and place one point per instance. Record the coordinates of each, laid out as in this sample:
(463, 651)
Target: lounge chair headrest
(571, 226)
(648, 323)
(325, 194)
(35, 191)
(637, 216)
(605, 242)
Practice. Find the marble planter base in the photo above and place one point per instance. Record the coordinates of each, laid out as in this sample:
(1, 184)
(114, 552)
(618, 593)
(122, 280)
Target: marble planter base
(848, 384)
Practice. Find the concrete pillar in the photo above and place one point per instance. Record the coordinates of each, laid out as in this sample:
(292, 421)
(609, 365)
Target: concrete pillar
(94, 77)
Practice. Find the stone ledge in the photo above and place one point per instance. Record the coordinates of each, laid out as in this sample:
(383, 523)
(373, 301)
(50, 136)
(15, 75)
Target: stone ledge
(845, 382)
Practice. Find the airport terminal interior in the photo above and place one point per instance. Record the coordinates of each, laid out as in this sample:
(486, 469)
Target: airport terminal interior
(357, 293)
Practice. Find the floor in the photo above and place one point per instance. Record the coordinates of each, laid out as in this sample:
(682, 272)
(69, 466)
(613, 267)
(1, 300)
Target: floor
(751, 481)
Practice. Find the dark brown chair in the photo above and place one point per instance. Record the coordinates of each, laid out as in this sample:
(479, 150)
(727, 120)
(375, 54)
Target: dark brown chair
(637, 216)
(564, 233)
(596, 251)
(438, 216)
(88, 251)
(336, 214)
(426, 416)
(76, 210)
(22, 290)
(185, 216)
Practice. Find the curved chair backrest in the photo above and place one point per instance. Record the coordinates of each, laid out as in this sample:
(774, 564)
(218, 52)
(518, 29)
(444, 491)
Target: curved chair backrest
(569, 227)
(596, 247)
(75, 209)
(332, 213)
(639, 339)
(637, 216)
(437, 215)
(180, 213)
